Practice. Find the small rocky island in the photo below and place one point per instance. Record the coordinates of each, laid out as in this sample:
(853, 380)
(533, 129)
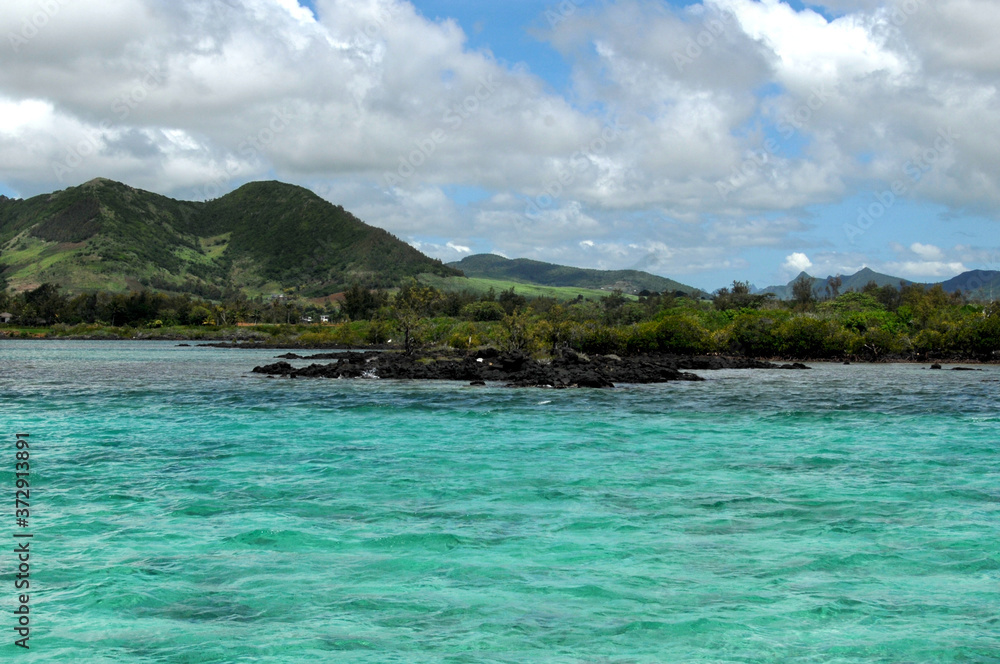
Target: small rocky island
(513, 369)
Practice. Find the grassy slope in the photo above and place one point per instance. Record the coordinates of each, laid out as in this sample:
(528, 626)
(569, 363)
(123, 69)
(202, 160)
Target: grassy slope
(479, 285)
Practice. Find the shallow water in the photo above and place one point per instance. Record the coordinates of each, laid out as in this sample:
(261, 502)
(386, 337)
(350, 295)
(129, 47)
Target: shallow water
(185, 510)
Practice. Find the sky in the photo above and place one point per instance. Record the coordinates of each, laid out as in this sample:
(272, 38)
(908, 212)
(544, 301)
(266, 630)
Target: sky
(704, 141)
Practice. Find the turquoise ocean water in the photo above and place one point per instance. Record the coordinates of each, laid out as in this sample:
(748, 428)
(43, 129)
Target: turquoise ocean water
(186, 511)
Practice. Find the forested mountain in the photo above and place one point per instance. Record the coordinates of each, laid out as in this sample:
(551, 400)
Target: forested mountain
(262, 238)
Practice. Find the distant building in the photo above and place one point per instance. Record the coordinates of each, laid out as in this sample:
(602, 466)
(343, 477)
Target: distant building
(6, 318)
(324, 319)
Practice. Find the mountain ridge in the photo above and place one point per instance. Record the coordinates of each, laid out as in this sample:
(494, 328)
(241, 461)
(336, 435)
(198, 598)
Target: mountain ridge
(260, 238)
(528, 271)
(976, 283)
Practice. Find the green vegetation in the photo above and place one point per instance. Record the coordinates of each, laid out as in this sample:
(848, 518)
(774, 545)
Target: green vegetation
(877, 323)
(106, 260)
(482, 286)
(295, 237)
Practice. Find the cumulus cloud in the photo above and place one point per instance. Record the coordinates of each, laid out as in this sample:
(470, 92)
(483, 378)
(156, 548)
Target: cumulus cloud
(797, 262)
(926, 251)
(459, 248)
(925, 262)
(689, 135)
(372, 88)
(918, 270)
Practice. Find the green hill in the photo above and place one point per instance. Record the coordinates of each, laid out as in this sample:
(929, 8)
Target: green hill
(264, 237)
(525, 271)
(980, 284)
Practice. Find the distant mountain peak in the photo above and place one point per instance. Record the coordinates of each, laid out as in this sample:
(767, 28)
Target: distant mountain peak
(978, 283)
(103, 182)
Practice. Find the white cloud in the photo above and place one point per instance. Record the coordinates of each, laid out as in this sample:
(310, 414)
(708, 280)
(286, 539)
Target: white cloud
(927, 251)
(459, 248)
(753, 232)
(623, 170)
(809, 49)
(930, 270)
(928, 262)
(797, 262)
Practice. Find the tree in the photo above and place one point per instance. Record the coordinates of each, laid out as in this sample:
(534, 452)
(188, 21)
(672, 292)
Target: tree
(889, 296)
(739, 297)
(755, 333)
(361, 303)
(44, 304)
(805, 337)
(198, 314)
(741, 288)
(616, 300)
(681, 334)
(221, 315)
(412, 303)
(511, 301)
(833, 285)
(483, 312)
(5, 300)
(802, 291)
(514, 334)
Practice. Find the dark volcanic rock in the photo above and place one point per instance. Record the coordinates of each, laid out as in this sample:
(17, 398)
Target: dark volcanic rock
(568, 369)
(276, 369)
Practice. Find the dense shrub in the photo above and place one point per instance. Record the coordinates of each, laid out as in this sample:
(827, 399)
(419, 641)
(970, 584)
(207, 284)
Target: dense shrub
(807, 337)
(484, 311)
(755, 333)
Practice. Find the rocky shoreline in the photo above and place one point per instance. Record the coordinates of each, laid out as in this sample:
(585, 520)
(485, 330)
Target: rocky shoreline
(513, 369)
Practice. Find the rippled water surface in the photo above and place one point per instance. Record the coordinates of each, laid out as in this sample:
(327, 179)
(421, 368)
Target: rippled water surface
(185, 510)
